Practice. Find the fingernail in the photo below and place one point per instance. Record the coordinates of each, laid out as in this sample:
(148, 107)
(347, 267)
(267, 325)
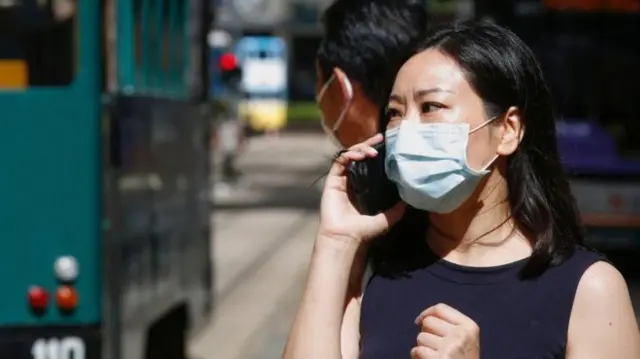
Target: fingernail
(417, 320)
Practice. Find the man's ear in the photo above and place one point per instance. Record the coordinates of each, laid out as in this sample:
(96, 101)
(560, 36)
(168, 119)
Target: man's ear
(346, 87)
(511, 132)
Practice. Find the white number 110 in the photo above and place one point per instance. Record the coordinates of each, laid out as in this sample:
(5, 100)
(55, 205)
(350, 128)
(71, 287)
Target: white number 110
(64, 348)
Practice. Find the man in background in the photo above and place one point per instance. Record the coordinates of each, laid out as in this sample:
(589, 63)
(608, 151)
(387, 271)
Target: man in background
(365, 43)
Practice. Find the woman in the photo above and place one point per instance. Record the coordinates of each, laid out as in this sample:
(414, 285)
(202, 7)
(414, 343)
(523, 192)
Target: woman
(485, 261)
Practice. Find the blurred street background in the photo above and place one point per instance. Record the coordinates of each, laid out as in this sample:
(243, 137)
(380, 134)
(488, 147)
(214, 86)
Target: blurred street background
(263, 231)
(162, 163)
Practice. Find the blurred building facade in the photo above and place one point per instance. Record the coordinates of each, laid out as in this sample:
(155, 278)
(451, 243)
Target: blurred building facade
(297, 21)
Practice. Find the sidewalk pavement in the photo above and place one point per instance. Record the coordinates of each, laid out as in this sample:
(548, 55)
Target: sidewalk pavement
(263, 235)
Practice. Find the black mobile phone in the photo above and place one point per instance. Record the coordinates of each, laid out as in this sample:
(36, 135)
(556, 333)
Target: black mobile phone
(369, 185)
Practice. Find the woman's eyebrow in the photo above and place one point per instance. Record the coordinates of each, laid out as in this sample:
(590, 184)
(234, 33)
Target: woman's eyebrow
(420, 93)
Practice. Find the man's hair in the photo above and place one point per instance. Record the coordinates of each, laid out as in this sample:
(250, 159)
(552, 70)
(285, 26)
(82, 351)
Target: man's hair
(369, 40)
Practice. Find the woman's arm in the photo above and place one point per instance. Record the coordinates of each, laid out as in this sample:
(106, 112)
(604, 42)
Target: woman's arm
(326, 326)
(603, 324)
(327, 322)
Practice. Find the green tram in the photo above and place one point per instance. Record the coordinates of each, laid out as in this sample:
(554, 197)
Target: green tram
(104, 201)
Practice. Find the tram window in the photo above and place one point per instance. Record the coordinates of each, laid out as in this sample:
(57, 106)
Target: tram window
(178, 45)
(37, 43)
(159, 44)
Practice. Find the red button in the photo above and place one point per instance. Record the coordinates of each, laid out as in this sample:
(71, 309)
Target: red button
(38, 297)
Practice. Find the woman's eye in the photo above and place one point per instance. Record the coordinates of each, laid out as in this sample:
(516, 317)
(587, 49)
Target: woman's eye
(430, 107)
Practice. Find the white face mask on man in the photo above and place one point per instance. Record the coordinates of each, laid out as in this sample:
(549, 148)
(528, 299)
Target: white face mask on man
(331, 131)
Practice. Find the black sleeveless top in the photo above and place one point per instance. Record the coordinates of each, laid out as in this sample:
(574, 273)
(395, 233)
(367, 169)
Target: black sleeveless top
(518, 318)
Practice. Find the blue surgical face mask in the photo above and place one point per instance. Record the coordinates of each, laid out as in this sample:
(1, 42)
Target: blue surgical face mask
(428, 163)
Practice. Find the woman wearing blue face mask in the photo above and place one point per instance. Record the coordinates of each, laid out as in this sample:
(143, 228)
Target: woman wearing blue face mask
(484, 259)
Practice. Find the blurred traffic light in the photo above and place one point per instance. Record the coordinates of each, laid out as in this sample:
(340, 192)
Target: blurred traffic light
(228, 62)
(230, 71)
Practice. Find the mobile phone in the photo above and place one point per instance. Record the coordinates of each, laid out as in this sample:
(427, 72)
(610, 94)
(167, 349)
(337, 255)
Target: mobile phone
(369, 184)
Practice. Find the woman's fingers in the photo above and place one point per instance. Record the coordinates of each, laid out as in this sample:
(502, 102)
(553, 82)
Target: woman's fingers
(355, 153)
(342, 160)
(429, 340)
(436, 326)
(444, 312)
(374, 140)
(423, 353)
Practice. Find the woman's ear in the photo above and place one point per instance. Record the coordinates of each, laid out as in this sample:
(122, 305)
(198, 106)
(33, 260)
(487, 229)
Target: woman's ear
(512, 130)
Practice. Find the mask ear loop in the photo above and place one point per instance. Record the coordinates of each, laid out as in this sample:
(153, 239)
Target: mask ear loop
(485, 123)
(324, 88)
(493, 160)
(343, 114)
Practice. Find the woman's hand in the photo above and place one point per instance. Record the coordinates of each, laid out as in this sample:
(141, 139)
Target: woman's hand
(339, 218)
(446, 334)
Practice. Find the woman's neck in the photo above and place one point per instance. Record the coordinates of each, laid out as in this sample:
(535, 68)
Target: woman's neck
(480, 236)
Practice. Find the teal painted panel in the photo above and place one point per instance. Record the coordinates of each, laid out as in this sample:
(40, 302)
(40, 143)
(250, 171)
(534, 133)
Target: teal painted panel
(126, 71)
(164, 48)
(50, 186)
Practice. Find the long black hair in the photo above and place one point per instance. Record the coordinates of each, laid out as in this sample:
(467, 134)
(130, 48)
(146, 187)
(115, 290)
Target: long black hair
(504, 72)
